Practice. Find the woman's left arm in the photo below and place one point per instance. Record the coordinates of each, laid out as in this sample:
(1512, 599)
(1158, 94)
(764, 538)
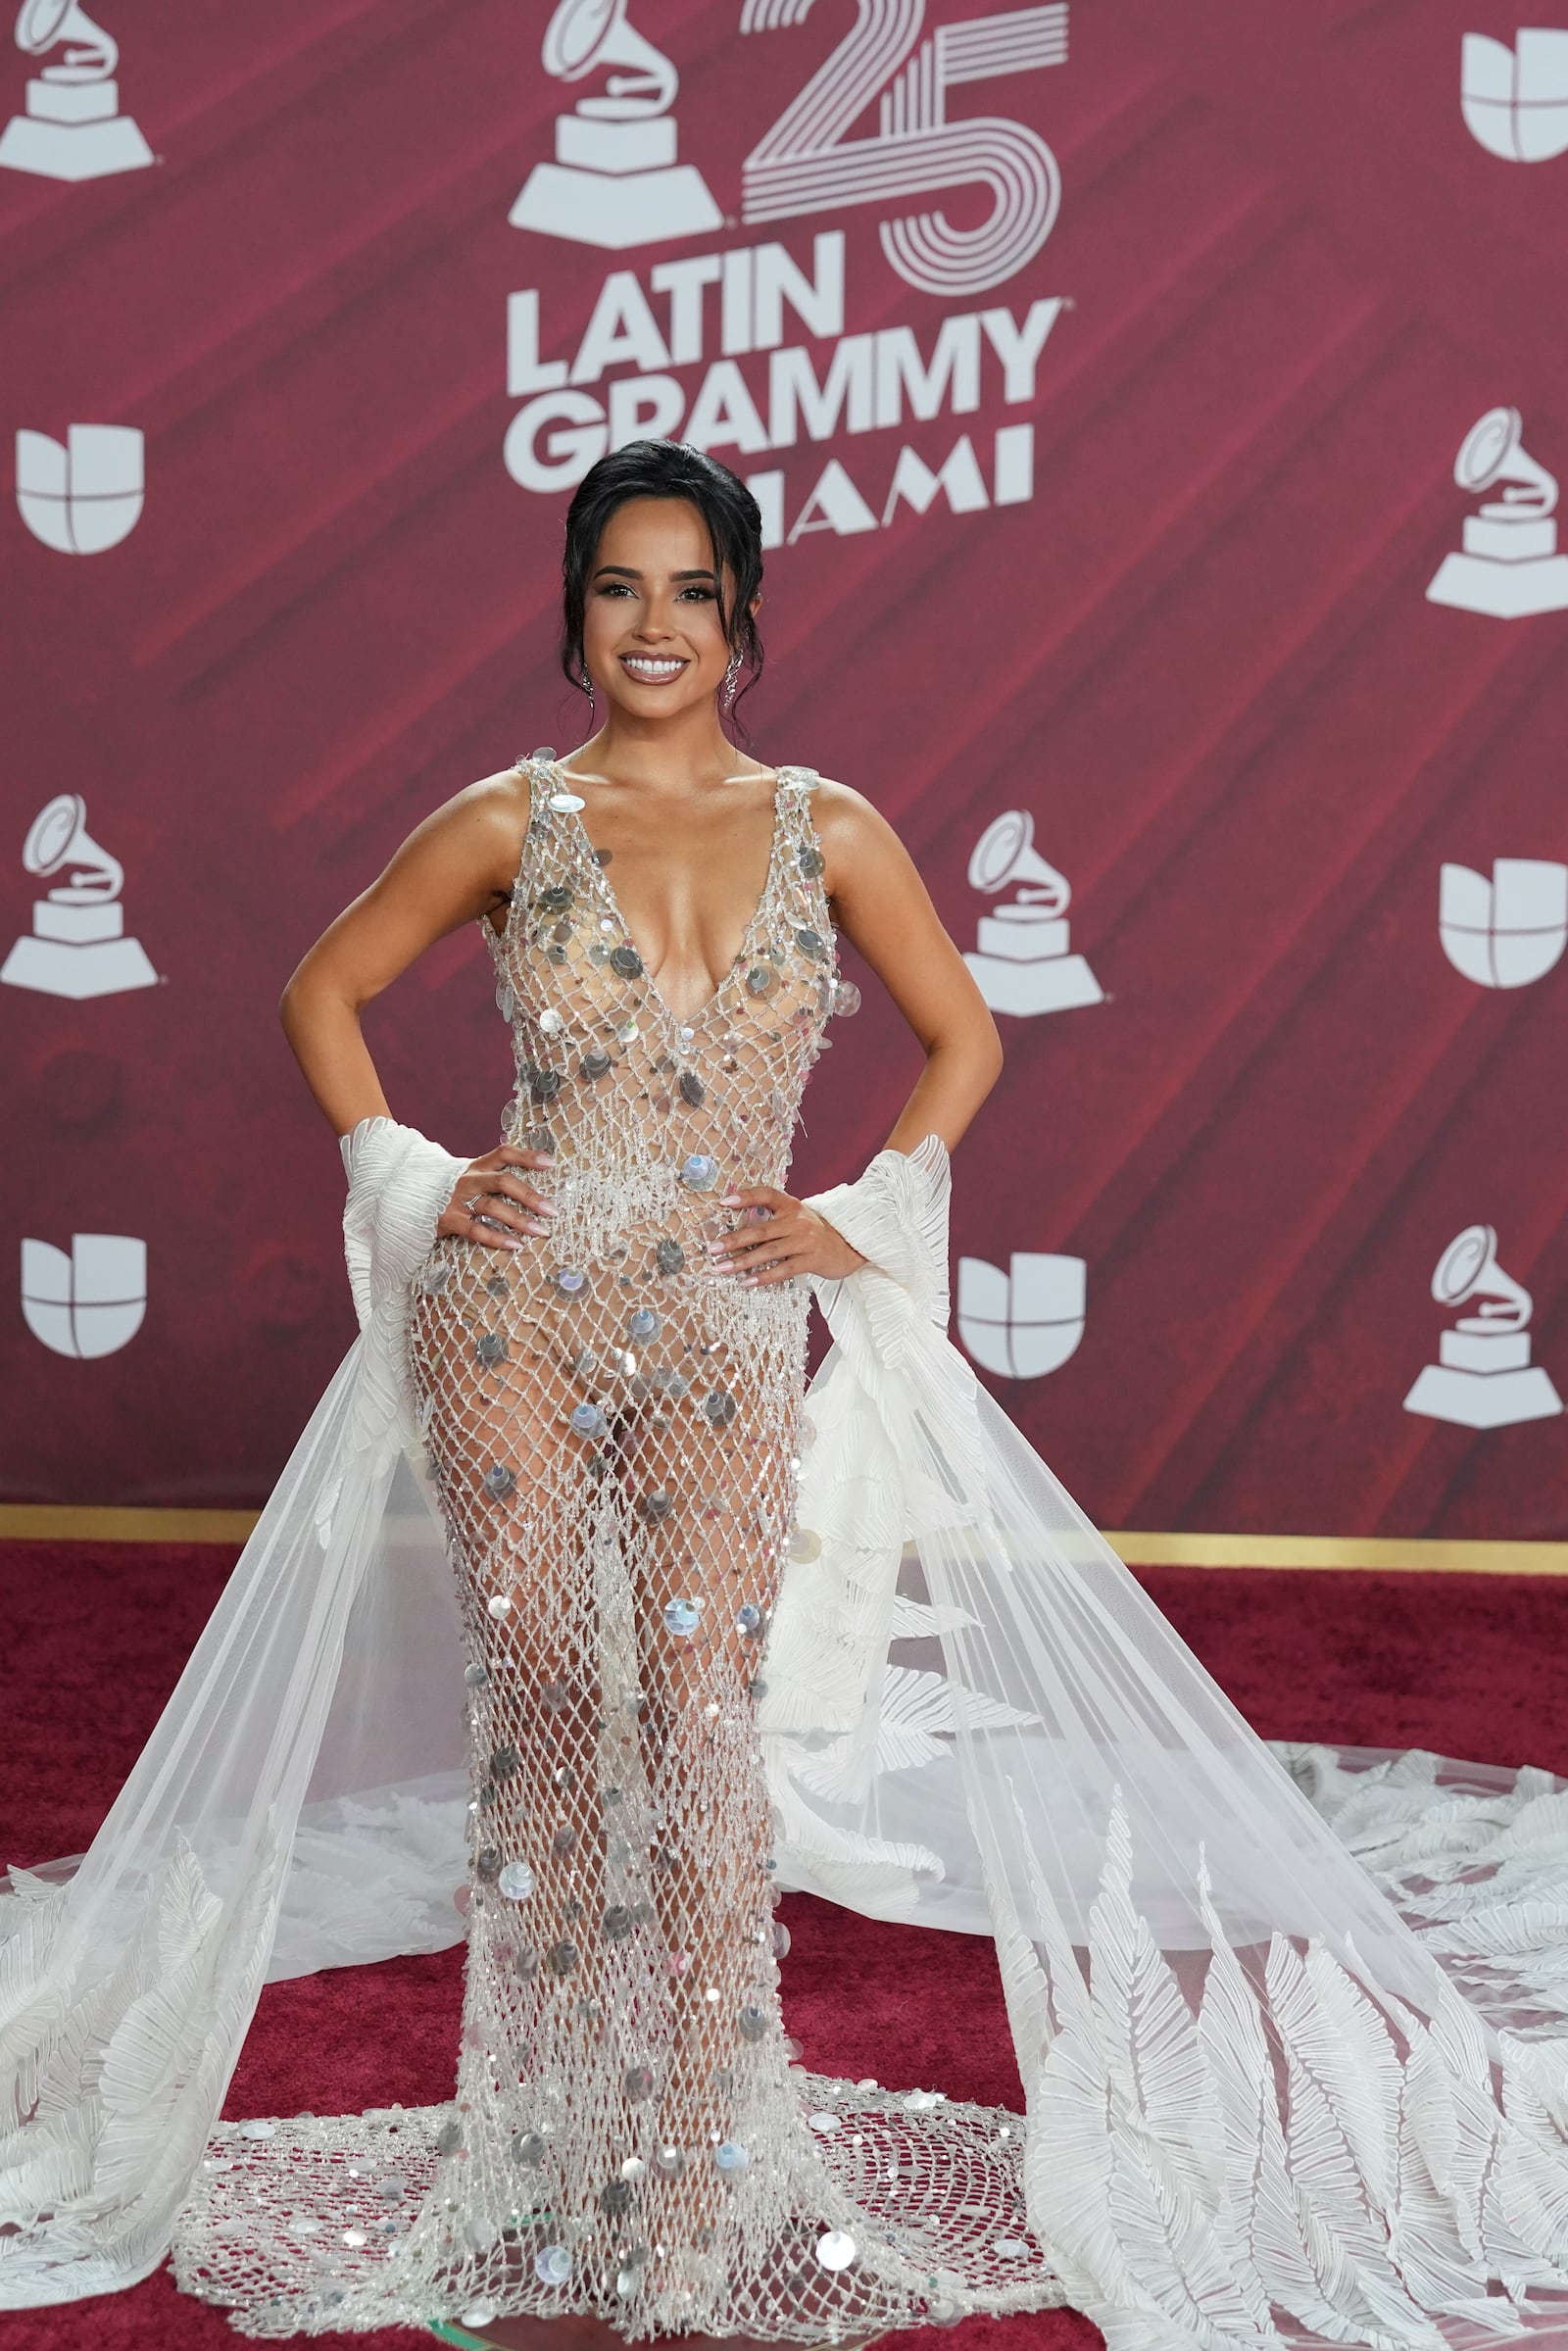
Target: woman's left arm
(880, 904)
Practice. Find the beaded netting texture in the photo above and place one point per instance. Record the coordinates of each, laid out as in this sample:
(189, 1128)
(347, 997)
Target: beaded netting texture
(614, 1432)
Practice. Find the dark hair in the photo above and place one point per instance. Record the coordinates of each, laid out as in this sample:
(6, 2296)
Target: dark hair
(734, 520)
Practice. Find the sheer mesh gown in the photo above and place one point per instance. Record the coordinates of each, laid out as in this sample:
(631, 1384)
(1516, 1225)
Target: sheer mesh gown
(615, 1433)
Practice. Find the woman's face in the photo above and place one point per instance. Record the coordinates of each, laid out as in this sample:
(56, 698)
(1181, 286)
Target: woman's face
(652, 639)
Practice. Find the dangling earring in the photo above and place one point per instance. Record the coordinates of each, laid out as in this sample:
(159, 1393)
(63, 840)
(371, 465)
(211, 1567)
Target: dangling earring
(726, 692)
(587, 685)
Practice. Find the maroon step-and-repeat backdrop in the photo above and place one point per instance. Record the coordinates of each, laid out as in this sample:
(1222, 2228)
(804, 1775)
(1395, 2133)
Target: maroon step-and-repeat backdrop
(1156, 414)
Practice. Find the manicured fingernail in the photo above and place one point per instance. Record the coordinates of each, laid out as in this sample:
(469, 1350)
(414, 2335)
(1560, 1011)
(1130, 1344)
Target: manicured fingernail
(511, 1244)
(730, 1199)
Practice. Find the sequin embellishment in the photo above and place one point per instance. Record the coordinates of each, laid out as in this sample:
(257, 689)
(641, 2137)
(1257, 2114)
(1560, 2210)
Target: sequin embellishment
(616, 1433)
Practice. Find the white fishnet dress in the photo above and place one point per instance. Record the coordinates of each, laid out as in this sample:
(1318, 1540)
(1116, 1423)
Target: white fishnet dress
(615, 1431)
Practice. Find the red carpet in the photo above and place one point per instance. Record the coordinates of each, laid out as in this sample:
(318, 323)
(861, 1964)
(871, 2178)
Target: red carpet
(96, 1634)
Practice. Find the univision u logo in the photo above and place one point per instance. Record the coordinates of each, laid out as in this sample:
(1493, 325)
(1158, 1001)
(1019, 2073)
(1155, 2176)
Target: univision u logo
(90, 1302)
(1027, 1321)
(1508, 931)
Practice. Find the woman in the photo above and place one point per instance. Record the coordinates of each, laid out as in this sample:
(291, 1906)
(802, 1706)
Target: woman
(609, 1341)
(710, 1644)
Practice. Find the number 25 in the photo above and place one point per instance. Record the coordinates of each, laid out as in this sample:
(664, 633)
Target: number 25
(806, 164)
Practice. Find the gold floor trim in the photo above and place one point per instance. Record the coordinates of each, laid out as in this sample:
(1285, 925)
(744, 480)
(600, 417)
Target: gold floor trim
(1387, 1554)
(52, 1522)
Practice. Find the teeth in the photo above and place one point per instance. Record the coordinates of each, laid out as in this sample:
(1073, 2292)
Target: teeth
(653, 669)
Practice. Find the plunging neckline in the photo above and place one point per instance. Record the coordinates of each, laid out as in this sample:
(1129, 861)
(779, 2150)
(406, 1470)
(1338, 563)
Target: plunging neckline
(686, 1020)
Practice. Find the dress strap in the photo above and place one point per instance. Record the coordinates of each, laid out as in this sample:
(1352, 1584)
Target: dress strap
(791, 797)
(802, 858)
(797, 783)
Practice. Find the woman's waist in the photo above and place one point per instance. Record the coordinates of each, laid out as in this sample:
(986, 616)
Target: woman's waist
(684, 1190)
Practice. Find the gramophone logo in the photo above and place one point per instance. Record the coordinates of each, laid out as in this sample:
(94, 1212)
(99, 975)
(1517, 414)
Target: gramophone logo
(89, 1303)
(1510, 565)
(1508, 931)
(614, 182)
(72, 128)
(1026, 1322)
(1515, 101)
(85, 494)
(1482, 1377)
(79, 946)
(1022, 963)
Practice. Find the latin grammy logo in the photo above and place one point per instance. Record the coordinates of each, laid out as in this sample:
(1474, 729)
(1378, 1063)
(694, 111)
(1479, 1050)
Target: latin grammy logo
(72, 128)
(1515, 101)
(1027, 1321)
(1506, 931)
(1510, 566)
(77, 947)
(614, 182)
(1482, 1377)
(1022, 964)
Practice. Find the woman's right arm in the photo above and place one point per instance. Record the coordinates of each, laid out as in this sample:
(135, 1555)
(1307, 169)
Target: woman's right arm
(458, 865)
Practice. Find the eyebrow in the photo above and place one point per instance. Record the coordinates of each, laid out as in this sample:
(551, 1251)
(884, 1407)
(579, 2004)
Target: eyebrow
(625, 572)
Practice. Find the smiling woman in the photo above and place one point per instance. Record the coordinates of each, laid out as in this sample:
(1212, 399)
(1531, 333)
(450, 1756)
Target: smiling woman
(606, 1346)
(700, 608)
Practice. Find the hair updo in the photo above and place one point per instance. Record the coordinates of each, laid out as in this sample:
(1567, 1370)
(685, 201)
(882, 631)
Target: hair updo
(732, 515)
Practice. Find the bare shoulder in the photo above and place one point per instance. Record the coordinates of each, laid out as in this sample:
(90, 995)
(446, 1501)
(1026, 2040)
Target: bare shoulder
(842, 815)
(484, 825)
(857, 838)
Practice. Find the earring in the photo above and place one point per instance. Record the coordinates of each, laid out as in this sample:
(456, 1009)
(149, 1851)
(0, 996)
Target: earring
(587, 684)
(727, 690)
